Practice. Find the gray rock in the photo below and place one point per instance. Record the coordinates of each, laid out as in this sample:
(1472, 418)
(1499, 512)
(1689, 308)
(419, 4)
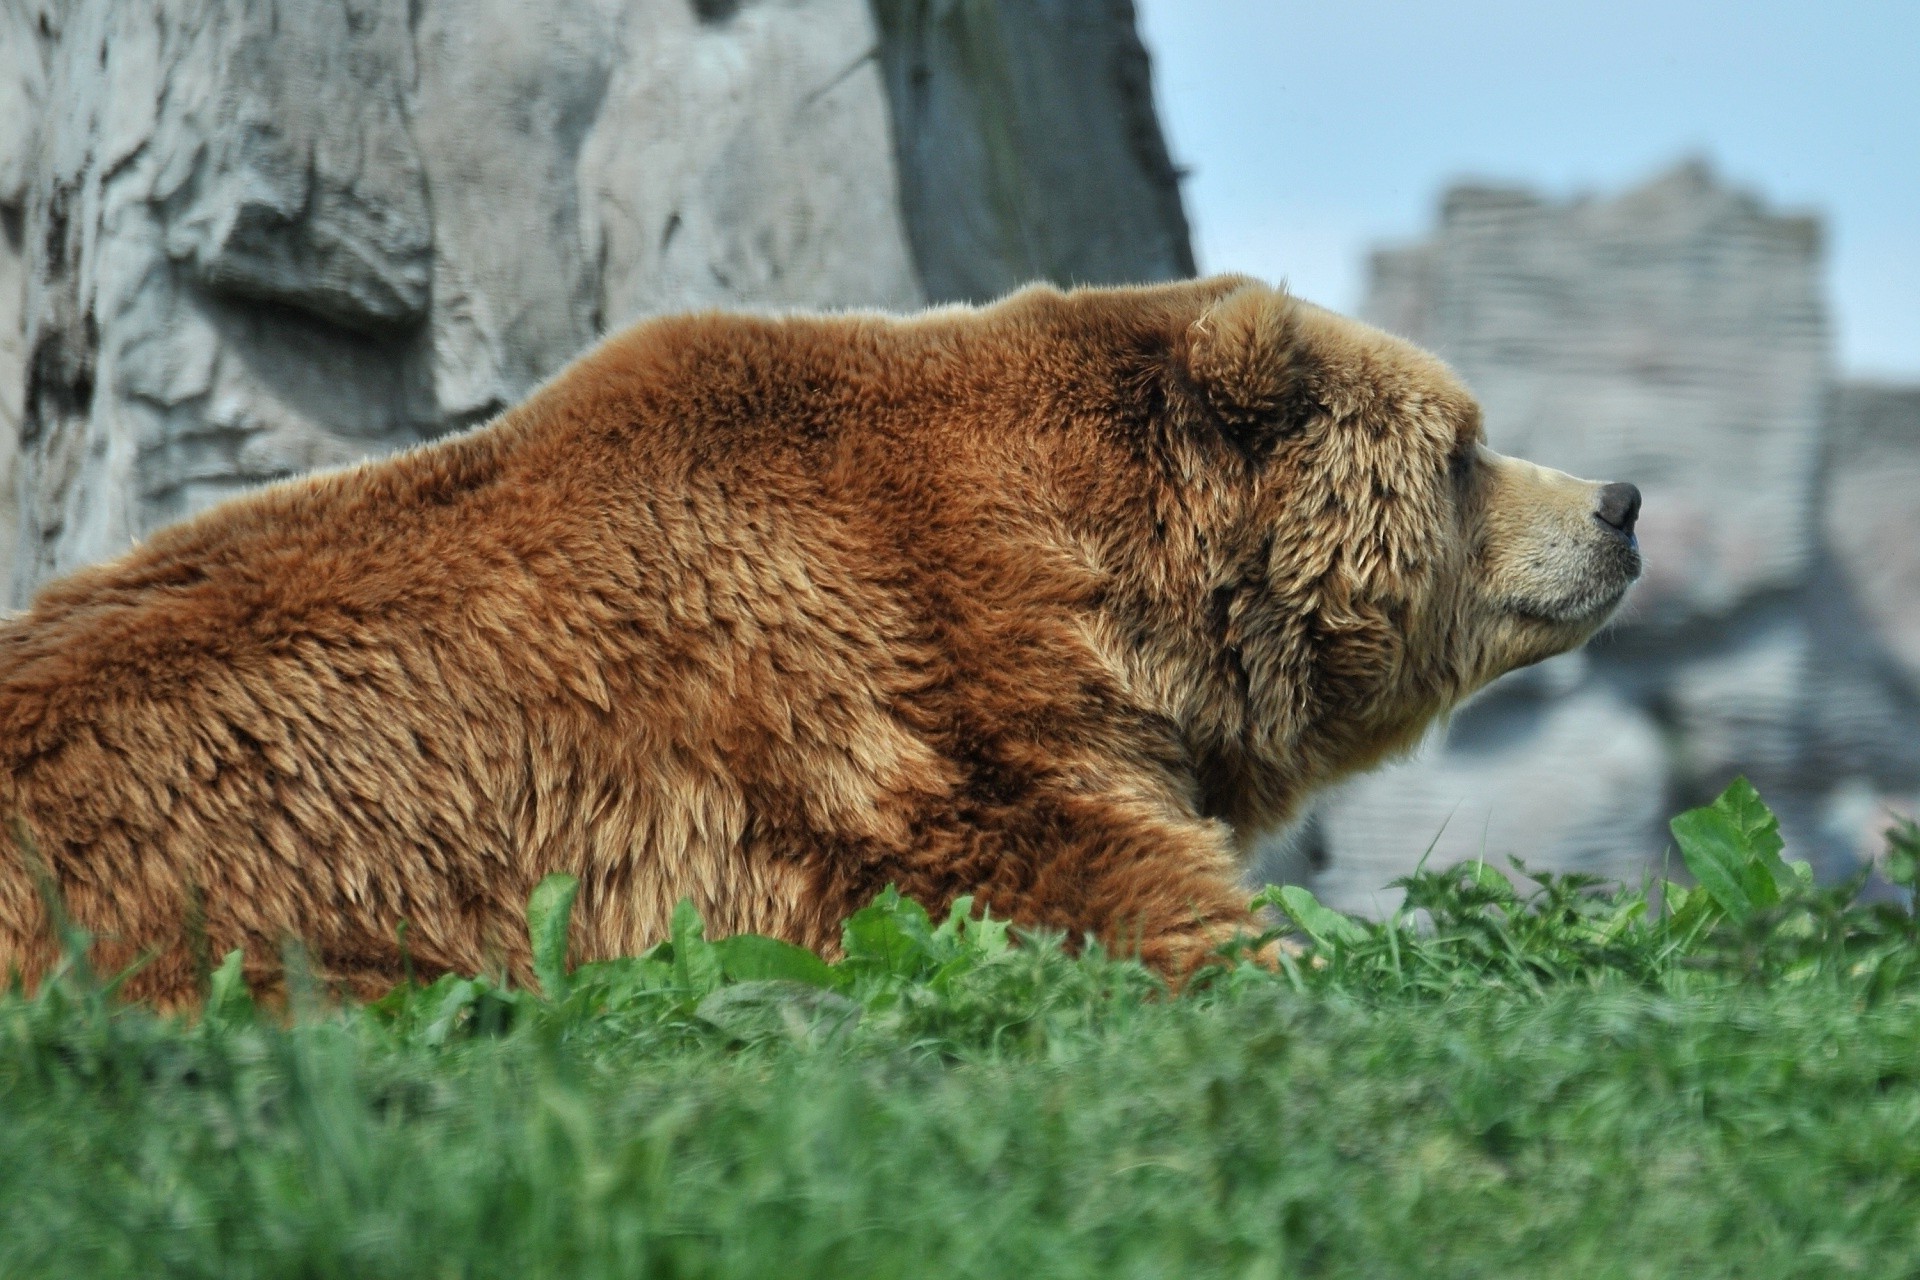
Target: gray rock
(1028, 145)
(1810, 694)
(254, 237)
(306, 188)
(1871, 512)
(185, 342)
(504, 101)
(1859, 712)
(1674, 336)
(1575, 783)
(746, 156)
(1744, 710)
(1856, 817)
(22, 88)
(22, 92)
(13, 368)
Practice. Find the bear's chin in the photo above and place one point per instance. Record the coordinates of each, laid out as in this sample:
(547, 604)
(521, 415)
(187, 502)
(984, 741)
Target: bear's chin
(1538, 630)
(1588, 604)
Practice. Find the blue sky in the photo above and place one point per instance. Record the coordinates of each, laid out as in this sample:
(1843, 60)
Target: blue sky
(1316, 130)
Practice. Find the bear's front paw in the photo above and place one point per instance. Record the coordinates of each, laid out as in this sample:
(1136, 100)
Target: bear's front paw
(1178, 956)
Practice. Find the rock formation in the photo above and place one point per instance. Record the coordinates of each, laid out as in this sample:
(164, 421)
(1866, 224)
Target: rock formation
(1029, 148)
(1871, 512)
(244, 238)
(22, 86)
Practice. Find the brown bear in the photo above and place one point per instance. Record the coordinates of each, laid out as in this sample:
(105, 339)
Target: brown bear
(1056, 602)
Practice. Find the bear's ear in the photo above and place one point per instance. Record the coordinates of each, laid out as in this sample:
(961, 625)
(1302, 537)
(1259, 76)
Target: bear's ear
(1246, 358)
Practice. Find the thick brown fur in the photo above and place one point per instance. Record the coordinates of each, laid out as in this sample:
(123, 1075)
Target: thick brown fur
(1054, 602)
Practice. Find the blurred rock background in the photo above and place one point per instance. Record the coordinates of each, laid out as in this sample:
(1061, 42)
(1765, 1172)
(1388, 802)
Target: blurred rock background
(243, 238)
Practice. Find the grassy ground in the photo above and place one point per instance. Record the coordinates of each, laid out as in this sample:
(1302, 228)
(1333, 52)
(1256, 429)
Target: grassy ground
(1575, 1083)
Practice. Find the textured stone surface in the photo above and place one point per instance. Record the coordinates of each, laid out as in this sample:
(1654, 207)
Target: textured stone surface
(260, 236)
(745, 158)
(1028, 145)
(22, 86)
(1871, 512)
(1575, 783)
(1858, 716)
(209, 302)
(1857, 816)
(1674, 335)
(1742, 710)
(305, 187)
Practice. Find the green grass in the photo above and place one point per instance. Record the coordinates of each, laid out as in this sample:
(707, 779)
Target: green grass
(1579, 1081)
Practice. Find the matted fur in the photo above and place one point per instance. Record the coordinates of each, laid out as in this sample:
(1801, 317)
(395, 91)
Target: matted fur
(1054, 602)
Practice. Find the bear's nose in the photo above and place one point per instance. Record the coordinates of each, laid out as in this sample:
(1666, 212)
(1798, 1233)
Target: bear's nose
(1619, 505)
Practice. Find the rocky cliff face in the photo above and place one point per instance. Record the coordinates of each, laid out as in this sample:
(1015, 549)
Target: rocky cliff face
(22, 90)
(244, 238)
(1870, 510)
(1028, 145)
(1673, 336)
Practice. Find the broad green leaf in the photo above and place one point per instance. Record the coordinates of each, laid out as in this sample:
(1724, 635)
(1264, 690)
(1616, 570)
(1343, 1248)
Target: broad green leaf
(1717, 860)
(1902, 866)
(1732, 847)
(1623, 919)
(1689, 911)
(1321, 923)
(696, 965)
(228, 999)
(749, 957)
(947, 940)
(549, 913)
(1491, 879)
(893, 936)
(964, 935)
(452, 996)
(986, 936)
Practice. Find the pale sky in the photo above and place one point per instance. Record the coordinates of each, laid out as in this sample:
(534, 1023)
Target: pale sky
(1316, 130)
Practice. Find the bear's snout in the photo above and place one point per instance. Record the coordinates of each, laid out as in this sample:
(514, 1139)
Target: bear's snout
(1618, 505)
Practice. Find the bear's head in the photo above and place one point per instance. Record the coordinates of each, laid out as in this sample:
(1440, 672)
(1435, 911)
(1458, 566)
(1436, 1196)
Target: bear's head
(1369, 561)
